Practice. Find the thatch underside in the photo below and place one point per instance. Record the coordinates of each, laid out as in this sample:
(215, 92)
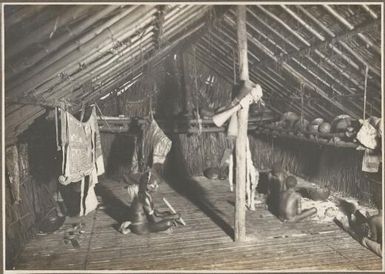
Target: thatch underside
(78, 54)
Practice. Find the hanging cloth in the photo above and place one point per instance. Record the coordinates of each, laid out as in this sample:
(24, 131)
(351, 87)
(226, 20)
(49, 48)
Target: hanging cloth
(371, 161)
(156, 144)
(13, 172)
(82, 156)
(252, 178)
(81, 147)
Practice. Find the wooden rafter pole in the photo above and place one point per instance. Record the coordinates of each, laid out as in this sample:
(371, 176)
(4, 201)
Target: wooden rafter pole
(240, 144)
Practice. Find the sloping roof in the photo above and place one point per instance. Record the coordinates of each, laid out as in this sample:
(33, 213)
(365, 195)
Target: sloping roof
(78, 53)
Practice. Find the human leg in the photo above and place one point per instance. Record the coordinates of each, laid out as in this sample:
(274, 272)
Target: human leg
(372, 245)
(161, 225)
(304, 214)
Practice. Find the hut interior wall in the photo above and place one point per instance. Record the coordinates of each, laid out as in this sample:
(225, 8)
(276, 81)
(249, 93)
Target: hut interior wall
(337, 168)
(203, 89)
(37, 163)
(183, 84)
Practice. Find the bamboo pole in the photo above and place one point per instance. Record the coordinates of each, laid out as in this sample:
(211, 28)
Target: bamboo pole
(22, 14)
(56, 43)
(345, 22)
(190, 34)
(120, 32)
(310, 83)
(78, 51)
(328, 42)
(347, 47)
(274, 89)
(42, 34)
(266, 50)
(277, 90)
(96, 67)
(282, 86)
(196, 29)
(79, 75)
(240, 144)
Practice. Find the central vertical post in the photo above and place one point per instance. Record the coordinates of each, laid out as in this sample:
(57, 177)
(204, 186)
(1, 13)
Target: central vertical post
(240, 144)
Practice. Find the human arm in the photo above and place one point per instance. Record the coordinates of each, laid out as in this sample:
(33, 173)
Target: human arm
(299, 204)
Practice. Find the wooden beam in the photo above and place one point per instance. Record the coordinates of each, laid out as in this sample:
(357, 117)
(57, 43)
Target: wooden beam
(54, 44)
(240, 144)
(44, 33)
(158, 32)
(331, 41)
(347, 24)
(78, 51)
(276, 87)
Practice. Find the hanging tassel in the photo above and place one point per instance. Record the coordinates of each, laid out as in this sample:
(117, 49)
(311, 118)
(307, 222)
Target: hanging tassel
(365, 90)
(57, 129)
(82, 209)
(231, 170)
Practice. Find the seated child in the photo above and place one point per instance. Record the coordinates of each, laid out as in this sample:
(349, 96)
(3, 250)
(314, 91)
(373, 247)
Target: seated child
(290, 203)
(276, 184)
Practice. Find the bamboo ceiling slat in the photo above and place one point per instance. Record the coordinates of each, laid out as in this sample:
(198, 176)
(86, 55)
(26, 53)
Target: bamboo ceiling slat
(324, 47)
(55, 44)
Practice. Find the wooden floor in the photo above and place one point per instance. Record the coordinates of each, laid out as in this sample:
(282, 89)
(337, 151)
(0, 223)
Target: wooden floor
(204, 244)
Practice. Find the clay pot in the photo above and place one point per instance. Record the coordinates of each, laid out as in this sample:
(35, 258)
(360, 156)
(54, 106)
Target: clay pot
(301, 124)
(341, 123)
(211, 173)
(324, 127)
(317, 121)
(289, 119)
(313, 128)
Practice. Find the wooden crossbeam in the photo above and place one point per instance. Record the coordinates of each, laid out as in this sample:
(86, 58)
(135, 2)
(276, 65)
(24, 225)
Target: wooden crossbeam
(330, 41)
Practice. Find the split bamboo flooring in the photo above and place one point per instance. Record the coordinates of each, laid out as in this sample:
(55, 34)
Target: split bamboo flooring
(204, 244)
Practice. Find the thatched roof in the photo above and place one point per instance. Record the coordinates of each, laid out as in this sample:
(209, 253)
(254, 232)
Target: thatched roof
(79, 53)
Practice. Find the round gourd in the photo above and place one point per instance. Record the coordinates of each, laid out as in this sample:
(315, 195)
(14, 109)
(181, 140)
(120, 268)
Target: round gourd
(289, 118)
(341, 123)
(313, 128)
(325, 127)
(317, 121)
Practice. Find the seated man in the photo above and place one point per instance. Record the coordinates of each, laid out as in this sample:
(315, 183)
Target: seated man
(373, 241)
(290, 203)
(143, 215)
(276, 184)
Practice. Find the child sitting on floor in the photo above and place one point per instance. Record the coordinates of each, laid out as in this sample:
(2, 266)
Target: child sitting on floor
(276, 184)
(290, 203)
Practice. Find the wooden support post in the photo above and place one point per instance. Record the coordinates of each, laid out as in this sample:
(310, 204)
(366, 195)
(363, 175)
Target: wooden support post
(240, 144)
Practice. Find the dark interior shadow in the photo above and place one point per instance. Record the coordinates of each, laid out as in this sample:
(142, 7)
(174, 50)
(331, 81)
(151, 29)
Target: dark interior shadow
(120, 156)
(113, 206)
(263, 183)
(177, 177)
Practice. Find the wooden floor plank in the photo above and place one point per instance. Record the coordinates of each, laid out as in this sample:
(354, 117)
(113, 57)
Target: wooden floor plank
(201, 245)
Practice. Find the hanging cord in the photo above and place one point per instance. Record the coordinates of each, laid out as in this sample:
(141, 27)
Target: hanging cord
(199, 120)
(151, 114)
(302, 93)
(234, 68)
(365, 89)
(101, 115)
(57, 129)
